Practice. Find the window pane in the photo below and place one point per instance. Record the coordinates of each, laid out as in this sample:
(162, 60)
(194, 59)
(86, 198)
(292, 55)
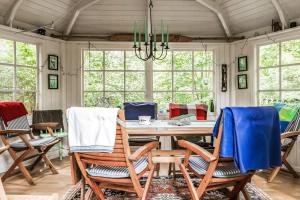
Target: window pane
(116, 98)
(183, 60)
(133, 62)
(26, 54)
(94, 60)
(183, 97)
(290, 52)
(26, 78)
(92, 98)
(114, 81)
(290, 77)
(135, 96)
(291, 97)
(162, 81)
(162, 99)
(268, 98)
(114, 60)
(6, 77)
(93, 81)
(203, 97)
(269, 79)
(135, 81)
(28, 98)
(183, 81)
(269, 55)
(165, 64)
(6, 51)
(204, 81)
(6, 96)
(203, 60)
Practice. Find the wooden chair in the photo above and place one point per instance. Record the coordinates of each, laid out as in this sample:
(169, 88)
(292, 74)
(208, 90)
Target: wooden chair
(215, 172)
(289, 138)
(27, 147)
(119, 170)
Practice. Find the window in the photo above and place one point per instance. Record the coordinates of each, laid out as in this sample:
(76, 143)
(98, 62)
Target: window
(18, 72)
(118, 75)
(183, 77)
(279, 73)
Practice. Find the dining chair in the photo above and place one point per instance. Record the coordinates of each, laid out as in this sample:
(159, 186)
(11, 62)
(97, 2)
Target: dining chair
(119, 170)
(46, 116)
(289, 139)
(27, 147)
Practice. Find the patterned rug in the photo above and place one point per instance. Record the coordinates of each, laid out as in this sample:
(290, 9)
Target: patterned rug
(165, 188)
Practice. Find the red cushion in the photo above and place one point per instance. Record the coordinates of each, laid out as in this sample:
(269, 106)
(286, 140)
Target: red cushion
(176, 110)
(12, 110)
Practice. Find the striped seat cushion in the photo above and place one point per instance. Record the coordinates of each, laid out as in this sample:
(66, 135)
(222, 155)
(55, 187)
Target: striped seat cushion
(117, 172)
(199, 165)
(34, 142)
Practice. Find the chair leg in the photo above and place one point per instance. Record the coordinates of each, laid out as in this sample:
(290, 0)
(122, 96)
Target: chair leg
(148, 183)
(97, 190)
(157, 169)
(49, 163)
(35, 163)
(238, 188)
(246, 195)
(170, 169)
(193, 192)
(273, 174)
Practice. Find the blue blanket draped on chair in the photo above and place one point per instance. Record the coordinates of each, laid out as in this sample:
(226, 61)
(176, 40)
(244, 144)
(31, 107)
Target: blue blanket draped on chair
(251, 136)
(135, 109)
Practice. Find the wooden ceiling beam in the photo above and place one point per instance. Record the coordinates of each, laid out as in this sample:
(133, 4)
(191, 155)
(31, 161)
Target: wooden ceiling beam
(11, 13)
(80, 7)
(282, 16)
(215, 7)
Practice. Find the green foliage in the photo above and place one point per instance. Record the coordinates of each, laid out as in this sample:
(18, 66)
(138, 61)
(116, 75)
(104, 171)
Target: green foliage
(6, 51)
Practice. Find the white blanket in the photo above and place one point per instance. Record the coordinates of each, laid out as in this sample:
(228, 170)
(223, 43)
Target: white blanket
(92, 129)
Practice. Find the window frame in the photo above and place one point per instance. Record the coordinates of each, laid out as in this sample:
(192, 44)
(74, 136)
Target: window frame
(14, 90)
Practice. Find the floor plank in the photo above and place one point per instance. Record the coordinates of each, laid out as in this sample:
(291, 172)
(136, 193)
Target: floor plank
(284, 187)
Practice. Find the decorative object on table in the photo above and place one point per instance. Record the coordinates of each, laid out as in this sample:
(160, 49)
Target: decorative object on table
(46, 116)
(181, 122)
(211, 106)
(144, 120)
(14, 124)
(41, 31)
(224, 78)
(242, 63)
(276, 26)
(150, 40)
(293, 24)
(171, 190)
(242, 81)
(52, 62)
(52, 81)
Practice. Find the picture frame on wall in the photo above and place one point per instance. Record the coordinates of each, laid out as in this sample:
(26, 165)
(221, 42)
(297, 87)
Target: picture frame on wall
(242, 64)
(242, 81)
(52, 81)
(52, 62)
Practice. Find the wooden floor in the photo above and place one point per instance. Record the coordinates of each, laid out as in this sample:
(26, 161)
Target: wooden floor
(284, 187)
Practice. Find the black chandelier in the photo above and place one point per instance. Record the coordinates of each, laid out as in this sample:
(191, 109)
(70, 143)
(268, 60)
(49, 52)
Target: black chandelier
(151, 47)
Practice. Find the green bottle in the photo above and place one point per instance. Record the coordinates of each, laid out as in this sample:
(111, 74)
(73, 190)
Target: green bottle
(211, 106)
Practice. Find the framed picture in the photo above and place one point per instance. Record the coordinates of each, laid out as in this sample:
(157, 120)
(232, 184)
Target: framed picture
(242, 81)
(52, 62)
(52, 81)
(242, 64)
(224, 78)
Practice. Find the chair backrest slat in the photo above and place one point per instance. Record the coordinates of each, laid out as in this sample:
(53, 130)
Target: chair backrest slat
(294, 125)
(19, 123)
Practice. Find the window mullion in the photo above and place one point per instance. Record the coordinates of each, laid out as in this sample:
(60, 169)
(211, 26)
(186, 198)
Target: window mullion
(15, 73)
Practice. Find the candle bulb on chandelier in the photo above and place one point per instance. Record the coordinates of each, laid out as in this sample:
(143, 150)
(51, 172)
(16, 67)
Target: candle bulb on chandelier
(134, 35)
(146, 31)
(139, 39)
(154, 39)
(162, 33)
(167, 37)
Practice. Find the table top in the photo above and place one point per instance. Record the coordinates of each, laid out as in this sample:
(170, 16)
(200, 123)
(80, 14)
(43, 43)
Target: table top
(163, 128)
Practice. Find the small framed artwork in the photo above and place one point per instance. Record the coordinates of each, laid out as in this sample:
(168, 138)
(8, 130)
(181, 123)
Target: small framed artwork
(242, 81)
(242, 64)
(52, 81)
(224, 78)
(52, 62)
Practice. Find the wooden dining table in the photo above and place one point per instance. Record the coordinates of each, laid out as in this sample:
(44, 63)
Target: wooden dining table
(159, 128)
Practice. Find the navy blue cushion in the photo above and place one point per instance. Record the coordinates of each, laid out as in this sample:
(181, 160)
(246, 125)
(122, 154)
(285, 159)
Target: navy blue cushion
(135, 109)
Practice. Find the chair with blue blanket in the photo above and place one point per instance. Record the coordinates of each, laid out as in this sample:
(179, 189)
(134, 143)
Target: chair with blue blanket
(235, 158)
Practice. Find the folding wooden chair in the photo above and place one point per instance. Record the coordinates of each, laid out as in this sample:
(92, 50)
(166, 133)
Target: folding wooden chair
(289, 138)
(27, 147)
(119, 170)
(215, 172)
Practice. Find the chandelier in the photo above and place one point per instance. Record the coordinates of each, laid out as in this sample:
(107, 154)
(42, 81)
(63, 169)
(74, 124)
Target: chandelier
(150, 42)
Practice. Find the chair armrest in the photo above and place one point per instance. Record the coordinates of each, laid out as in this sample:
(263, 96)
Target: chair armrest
(2, 149)
(15, 131)
(207, 156)
(44, 126)
(289, 134)
(142, 151)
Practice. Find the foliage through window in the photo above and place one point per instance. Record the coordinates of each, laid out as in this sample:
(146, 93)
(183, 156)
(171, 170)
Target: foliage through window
(117, 75)
(18, 72)
(184, 77)
(279, 73)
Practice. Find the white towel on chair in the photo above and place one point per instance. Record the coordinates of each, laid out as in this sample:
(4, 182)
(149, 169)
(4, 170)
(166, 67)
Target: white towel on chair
(92, 129)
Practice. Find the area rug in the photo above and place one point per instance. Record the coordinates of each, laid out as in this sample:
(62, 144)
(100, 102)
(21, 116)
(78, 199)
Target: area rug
(166, 188)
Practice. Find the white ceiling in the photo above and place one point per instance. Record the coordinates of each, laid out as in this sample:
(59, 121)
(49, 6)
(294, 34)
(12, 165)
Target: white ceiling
(185, 17)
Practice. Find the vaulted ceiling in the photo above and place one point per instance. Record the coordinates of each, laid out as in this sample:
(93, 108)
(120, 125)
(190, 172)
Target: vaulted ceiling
(184, 17)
